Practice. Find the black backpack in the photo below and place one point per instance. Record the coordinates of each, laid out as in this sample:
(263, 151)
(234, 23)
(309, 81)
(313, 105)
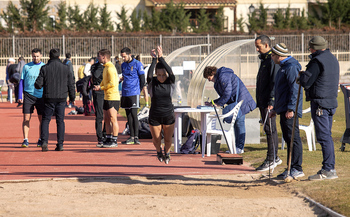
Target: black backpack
(192, 143)
(82, 83)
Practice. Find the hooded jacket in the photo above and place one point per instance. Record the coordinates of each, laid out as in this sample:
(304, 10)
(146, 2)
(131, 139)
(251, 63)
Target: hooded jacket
(286, 88)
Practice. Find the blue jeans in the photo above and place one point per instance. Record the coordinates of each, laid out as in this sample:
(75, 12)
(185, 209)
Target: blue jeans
(323, 128)
(297, 153)
(57, 108)
(239, 128)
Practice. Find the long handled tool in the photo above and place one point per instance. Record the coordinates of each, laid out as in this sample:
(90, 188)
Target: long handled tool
(217, 115)
(289, 178)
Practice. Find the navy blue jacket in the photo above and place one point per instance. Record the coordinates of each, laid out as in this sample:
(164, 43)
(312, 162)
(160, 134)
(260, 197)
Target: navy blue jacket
(321, 79)
(286, 89)
(226, 86)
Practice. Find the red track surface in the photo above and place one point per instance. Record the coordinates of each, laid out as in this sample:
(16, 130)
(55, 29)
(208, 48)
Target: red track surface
(81, 157)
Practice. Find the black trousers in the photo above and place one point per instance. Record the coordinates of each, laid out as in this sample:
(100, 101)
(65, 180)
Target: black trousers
(98, 97)
(57, 108)
(133, 122)
(271, 134)
(287, 127)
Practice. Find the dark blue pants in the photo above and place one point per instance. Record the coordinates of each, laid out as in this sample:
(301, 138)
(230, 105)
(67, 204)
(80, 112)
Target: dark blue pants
(271, 134)
(239, 128)
(57, 108)
(323, 128)
(297, 153)
(98, 104)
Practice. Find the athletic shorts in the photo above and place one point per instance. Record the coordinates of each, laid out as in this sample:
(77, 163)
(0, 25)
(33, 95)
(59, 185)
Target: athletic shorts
(107, 104)
(30, 102)
(156, 121)
(129, 102)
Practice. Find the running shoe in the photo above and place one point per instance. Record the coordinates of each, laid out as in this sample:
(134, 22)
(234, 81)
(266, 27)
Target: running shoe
(25, 144)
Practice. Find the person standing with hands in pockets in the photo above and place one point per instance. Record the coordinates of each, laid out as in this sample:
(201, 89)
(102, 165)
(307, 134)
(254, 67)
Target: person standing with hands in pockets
(161, 115)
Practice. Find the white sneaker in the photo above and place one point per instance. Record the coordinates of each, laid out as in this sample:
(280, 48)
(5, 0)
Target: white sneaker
(239, 151)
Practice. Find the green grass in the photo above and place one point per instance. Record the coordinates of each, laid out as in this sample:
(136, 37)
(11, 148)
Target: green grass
(334, 194)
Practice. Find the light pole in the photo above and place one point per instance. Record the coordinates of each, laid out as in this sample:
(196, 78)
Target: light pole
(52, 17)
(251, 8)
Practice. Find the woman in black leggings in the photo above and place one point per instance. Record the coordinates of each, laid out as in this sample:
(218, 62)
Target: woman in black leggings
(161, 116)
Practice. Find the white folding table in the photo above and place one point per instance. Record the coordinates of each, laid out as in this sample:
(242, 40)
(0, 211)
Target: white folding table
(178, 126)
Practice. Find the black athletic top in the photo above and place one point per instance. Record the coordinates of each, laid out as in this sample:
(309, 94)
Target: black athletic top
(161, 93)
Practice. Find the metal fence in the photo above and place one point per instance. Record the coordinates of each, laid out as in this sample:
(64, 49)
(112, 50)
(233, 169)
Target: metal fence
(81, 48)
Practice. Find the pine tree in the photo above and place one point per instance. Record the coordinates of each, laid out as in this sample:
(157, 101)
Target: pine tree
(219, 20)
(62, 16)
(36, 13)
(302, 21)
(13, 18)
(168, 17)
(105, 19)
(146, 24)
(135, 21)
(262, 22)
(124, 20)
(91, 20)
(75, 19)
(286, 22)
(278, 19)
(240, 23)
(182, 18)
(252, 22)
(204, 23)
(156, 23)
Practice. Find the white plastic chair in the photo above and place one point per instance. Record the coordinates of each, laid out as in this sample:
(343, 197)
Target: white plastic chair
(309, 131)
(230, 134)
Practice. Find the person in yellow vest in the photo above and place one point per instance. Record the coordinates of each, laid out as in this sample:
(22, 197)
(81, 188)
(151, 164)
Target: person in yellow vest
(109, 85)
(81, 71)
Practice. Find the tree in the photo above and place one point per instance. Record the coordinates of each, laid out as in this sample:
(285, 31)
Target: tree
(252, 22)
(262, 21)
(36, 13)
(204, 23)
(286, 22)
(62, 16)
(91, 20)
(156, 23)
(105, 19)
(135, 21)
(219, 20)
(182, 17)
(124, 20)
(75, 19)
(240, 23)
(278, 19)
(146, 24)
(315, 19)
(13, 18)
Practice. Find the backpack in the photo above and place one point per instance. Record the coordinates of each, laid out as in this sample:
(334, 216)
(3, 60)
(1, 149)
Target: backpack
(81, 72)
(89, 109)
(192, 143)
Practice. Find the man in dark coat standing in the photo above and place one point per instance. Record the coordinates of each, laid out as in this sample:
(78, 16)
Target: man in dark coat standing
(320, 81)
(265, 100)
(57, 81)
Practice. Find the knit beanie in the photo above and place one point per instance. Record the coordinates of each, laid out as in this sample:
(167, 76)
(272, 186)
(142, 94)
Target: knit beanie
(318, 43)
(280, 50)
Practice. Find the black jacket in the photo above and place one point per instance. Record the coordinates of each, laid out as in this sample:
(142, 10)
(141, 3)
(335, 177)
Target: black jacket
(265, 81)
(57, 81)
(97, 73)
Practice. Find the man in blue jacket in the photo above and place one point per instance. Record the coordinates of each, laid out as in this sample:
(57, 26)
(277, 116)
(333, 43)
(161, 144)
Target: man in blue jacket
(320, 81)
(286, 94)
(133, 82)
(226, 84)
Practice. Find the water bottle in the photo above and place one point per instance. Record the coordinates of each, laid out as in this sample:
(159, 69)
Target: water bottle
(179, 100)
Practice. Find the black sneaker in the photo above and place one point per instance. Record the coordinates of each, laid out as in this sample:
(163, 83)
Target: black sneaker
(129, 141)
(40, 143)
(44, 147)
(167, 158)
(266, 166)
(136, 141)
(111, 144)
(160, 156)
(59, 148)
(99, 144)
